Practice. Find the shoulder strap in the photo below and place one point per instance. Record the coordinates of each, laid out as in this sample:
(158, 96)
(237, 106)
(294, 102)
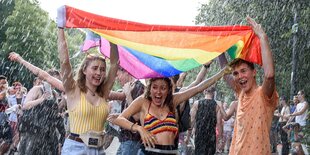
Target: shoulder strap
(148, 110)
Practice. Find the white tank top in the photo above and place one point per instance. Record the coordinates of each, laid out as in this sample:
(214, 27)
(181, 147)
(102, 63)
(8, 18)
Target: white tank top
(301, 119)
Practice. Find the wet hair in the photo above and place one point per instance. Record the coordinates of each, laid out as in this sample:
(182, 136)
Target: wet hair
(238, 62)
(283, 98)
(53, 72)
(137, 90)
(210, 90)
(169, 99)
(2, 77)
(175, 78)
(81, 77)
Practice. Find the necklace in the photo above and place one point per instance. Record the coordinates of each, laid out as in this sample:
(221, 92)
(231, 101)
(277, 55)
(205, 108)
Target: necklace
(92, 93)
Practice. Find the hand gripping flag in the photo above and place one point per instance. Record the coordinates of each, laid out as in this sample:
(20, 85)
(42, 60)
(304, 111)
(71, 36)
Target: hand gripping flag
(162, 50)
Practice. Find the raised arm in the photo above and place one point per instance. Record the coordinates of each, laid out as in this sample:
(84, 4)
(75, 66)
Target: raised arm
(228, 78)
(33, 98)
(232, 109)
(114, 61)
(193, 114)
(185, 95)
(268, 65)
(37, 71)
(65, 66)
(201, 75)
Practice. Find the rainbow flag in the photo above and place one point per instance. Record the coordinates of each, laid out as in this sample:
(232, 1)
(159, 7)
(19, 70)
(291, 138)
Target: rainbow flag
(164, 50)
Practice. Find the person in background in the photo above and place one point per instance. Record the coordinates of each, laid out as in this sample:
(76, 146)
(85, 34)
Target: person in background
(205, 117)
(130, 142)
(295, 136)
(3, 93)
(257, 103)
(41, 118)
(301, 111)
(228, 129)
(183, 110)
(294, 104)
(37, 81)
(282, 122)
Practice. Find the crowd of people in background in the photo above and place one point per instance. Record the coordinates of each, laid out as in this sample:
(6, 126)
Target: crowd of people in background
(64, 115)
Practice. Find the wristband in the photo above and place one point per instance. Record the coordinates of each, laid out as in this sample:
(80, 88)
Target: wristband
(132, 127)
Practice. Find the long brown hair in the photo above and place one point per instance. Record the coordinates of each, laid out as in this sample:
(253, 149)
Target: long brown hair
(81, 77)
(169, 98)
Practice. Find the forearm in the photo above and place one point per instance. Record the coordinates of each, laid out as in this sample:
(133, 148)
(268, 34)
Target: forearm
(268, 64)
(208, 82)
(114, 56)
(114, 60)
(65, 66)
(201, 75)
(31, 104)
(117, 96)
(125, 123)
(225, 116)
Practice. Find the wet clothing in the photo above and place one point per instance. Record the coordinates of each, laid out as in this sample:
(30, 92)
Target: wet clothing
(38, 129)
(130, 142)
(253, 123)
(5, 128)
(72, 147)
(158, 150)
(87, 117)
(155, 125)
(205, 134)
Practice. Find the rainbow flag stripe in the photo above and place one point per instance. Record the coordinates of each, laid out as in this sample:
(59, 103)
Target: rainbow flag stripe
(165, 50)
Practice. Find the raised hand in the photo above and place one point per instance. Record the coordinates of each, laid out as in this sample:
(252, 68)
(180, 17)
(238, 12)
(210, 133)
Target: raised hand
(257, 28)
(14, 56)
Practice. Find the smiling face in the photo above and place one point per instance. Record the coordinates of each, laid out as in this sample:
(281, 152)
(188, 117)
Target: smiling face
(95, 72)
(159, 91)
(244, 76)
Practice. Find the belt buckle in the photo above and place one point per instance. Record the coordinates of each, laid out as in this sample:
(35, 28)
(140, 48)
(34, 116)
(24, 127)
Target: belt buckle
(92, 139)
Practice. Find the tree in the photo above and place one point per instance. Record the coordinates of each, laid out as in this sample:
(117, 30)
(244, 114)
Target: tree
(277, 20)
(33, 35)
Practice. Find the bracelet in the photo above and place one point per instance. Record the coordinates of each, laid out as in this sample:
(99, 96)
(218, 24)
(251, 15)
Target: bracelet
(131, 128)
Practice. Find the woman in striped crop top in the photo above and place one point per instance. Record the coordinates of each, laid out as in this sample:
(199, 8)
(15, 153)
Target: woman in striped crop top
(86, 96)
(158, 124)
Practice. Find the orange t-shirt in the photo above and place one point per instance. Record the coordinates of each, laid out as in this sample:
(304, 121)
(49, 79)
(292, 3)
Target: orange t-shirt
(253, 123)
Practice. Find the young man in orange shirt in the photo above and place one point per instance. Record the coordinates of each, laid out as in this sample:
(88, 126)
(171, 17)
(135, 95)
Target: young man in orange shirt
(256, 103)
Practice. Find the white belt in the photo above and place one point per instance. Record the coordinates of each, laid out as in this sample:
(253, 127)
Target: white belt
(162, 151)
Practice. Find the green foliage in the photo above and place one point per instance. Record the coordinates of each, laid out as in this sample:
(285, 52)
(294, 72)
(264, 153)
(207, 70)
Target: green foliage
(31, 33)
(277, 18)
(6, 9)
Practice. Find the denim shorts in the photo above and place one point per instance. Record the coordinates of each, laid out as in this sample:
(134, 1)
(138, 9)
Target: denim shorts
(72, 147)
(129, 148)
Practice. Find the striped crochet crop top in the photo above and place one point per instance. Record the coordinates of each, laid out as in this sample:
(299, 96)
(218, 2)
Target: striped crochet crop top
(155, 125)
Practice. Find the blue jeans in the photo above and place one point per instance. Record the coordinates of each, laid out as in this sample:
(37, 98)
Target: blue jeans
(72, 147)
(128, 147)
